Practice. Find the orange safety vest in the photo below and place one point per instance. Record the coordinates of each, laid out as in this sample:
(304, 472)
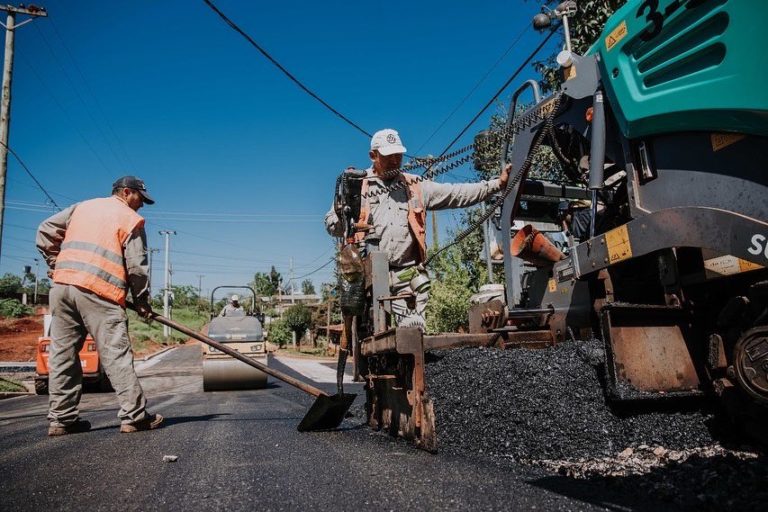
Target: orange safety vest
(417, 215)
(91, 254)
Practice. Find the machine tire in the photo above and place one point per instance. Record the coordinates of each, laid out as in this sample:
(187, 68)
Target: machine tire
(104, 385)
(41, 386)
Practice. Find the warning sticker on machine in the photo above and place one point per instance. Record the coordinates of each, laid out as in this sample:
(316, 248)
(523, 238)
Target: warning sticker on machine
(616, 35)
(723, 140)
(552, 286)
(619, 247)
(729, 265)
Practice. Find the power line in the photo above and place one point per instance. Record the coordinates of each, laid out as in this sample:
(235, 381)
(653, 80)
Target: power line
(66, 114)
(77, 93)
(90, 91)
(498, 93)
(318, 269)
(281, 68)
(524, 30)
(24, 166)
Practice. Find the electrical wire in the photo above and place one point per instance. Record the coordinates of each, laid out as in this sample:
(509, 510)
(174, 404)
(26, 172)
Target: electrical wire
(24, 166)
(500, 91)
(77, 93)
(281, 68)
(66, 114)
(318, 269)
(90, 91)
(523, 31)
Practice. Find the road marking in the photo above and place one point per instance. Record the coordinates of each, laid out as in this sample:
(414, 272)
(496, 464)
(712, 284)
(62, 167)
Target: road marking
(152, 362)
(314, 370)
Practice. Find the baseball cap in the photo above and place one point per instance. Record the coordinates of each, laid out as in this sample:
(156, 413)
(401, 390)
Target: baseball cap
(387, 142)
(136, 184)
(235, 298)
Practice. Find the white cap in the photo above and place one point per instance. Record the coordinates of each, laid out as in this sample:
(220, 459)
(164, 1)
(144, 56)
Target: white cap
(387, 142)
(235, 298)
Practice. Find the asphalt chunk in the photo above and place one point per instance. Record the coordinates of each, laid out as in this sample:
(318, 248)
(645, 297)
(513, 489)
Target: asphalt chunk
(546, 404)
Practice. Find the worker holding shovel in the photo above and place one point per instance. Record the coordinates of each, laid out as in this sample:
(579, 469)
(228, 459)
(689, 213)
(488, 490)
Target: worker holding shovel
(97, 249)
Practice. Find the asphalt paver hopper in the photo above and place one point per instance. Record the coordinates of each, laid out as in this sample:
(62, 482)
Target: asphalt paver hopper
(326, 413)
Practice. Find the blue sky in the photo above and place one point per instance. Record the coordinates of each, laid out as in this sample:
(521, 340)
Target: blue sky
(240, 161)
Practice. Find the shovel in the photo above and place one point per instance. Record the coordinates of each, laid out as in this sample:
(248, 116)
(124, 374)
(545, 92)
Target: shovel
(326, 413)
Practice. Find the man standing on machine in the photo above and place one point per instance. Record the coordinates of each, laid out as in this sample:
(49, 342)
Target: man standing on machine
(394, 217)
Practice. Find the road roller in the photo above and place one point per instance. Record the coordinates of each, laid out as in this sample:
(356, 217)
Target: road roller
(242, 332)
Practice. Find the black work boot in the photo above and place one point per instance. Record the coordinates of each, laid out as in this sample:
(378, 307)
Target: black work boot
(77, 427)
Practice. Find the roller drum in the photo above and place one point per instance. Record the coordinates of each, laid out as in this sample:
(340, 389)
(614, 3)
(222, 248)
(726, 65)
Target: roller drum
(230, 374)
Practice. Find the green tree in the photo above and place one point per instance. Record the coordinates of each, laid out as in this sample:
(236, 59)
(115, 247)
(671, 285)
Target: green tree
(307, 287)
(44, 286)
(184, 296)
(10, 285)
(266, 283)
(585, 27)
(449, 298)
(298, 318)
(279, 333)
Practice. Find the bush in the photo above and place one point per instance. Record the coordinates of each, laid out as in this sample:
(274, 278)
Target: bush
(14, 308)
(279, 333)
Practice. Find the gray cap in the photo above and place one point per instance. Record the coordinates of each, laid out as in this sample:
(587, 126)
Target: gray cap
(136, 184)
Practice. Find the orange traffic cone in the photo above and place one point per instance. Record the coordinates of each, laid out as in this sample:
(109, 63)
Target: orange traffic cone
(532, 246)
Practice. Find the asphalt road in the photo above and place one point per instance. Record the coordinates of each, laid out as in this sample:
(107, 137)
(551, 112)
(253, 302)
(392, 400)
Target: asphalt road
(241, 450)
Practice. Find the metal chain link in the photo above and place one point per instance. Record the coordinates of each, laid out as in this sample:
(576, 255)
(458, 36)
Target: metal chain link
(534, 116)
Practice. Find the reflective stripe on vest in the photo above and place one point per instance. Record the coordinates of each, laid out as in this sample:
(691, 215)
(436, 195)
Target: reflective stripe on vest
(417, 215)
(91, 255)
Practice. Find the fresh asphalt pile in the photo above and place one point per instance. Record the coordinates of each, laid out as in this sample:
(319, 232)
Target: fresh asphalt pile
(545, 404)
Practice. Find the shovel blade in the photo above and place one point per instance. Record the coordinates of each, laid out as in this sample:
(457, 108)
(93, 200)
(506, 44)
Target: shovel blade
(327, 412)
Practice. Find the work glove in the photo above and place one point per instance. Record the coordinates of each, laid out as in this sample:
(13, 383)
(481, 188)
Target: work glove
(143, 308)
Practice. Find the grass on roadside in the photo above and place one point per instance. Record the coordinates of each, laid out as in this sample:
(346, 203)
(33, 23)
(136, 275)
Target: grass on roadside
(10, 386)
(141, 331)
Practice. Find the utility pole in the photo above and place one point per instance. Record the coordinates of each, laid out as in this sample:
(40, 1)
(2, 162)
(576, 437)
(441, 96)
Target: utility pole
(293, 300)
(37, 266)
(151, 251)
(5, 102)
(200, 290)
(167, 288)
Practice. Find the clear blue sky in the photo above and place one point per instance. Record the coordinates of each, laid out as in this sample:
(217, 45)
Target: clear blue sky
(240, 161)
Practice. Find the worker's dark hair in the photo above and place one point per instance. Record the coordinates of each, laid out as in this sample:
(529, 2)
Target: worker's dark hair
(115, 190)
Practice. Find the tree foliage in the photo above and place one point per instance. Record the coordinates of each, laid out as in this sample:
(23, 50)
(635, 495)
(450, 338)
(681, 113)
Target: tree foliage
(449, 297)
(266, 283)
(13, 308)
(10, 285)
(586, 26)
(279, 333)
(307, 287)
(298, 318)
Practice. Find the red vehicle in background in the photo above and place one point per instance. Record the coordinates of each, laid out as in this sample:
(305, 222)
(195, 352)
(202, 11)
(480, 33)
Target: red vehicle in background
(94, 377)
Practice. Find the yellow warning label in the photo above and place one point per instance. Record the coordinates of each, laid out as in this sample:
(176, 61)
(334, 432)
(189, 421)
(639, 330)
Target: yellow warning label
(569, 73)
(547, 107)
(616, 35)
(729, 265)
(619, 247)
(723, 140)
(746, 266)
(552, 286)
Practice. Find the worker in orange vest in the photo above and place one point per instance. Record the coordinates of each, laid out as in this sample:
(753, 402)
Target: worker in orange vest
(97, 250)
(396, 216)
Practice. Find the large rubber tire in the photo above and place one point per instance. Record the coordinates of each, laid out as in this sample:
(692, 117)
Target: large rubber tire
(41, 386)
(104, 386)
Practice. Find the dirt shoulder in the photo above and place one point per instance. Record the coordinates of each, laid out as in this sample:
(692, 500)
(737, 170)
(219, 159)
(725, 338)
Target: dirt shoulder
(18, 337)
